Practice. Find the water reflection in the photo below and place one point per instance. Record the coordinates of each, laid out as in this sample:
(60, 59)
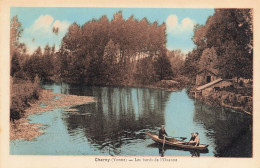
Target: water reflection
(119, 115)
(117, 122)
(230, 130)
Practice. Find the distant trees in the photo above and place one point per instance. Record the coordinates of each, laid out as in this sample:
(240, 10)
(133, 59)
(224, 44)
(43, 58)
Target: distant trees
(191, 67)
(40, 63)
(23, 91)
(145, 72)
(176, 58)
(108, 52)
(110, 62)
(230, 33)
(17, 49)
(162, 67)
(100, 52)
(26, 66)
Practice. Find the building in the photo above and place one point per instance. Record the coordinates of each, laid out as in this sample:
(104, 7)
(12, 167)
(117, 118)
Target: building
(206, 76)
(215, 85)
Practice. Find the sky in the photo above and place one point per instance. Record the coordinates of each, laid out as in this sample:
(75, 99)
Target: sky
(38, 22)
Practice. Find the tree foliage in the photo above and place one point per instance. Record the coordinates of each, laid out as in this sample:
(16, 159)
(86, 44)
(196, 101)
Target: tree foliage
(230, 32)
(16, 31)
(208, 59)
(162, 67)
(104, 52)
(176, 58)
(17, 49)
(101, 52)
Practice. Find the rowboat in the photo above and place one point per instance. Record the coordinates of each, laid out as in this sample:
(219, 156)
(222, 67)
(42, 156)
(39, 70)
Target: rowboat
(176, 143)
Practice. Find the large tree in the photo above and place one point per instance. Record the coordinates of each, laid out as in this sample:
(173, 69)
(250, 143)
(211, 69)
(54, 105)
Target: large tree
(16, 31)
(230, 32)
(17, 49)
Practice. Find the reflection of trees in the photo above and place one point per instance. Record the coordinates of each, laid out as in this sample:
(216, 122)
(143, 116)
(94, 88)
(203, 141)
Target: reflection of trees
(58, 87)
(119, 114)
(230, 130)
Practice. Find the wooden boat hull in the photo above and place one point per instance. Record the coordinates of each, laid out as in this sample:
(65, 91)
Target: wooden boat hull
(176, 143)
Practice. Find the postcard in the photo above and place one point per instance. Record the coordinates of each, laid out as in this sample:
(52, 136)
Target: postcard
(120, 84)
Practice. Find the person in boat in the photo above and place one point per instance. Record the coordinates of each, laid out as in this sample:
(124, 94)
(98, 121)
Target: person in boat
(162, 133)
(197, 139)
(192, 139)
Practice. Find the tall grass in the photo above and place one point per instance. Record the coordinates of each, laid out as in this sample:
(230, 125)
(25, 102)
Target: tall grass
(23, 93)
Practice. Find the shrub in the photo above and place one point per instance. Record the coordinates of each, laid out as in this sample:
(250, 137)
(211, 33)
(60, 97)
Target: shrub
(22, 93)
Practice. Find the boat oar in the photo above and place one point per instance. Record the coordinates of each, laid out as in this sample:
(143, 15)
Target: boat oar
(163, 141)
(163, 146)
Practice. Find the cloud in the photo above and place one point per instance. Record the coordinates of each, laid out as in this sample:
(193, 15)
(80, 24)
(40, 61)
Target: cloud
(63, 26)
(40, 33)
(42, 23)
(174, 27)
(172, 22)
(179, 33)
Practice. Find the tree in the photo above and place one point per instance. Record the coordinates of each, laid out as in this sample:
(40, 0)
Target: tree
(230, 32)
(208, 59)
(162, 67)
(16, 31)
(145, 73)
(16, 48)
(100, 50)
(191, 67)
(176, 58)
(110, 62)
(16, 67)
(62, 63)
(35, 65)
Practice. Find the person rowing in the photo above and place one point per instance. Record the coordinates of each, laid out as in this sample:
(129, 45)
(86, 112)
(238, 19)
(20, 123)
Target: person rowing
(162, 133)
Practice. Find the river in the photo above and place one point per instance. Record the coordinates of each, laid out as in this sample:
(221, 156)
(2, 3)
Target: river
(117, 122)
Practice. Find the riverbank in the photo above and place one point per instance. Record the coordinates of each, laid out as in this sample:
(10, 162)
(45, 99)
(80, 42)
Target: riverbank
(48, 101)
(227, 99)
(173, 84)
(155, 86)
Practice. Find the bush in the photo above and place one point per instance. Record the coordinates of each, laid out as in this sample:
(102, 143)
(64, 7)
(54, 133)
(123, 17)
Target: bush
(23, 92)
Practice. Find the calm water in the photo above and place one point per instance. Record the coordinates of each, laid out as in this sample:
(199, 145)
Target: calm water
(117, 122)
